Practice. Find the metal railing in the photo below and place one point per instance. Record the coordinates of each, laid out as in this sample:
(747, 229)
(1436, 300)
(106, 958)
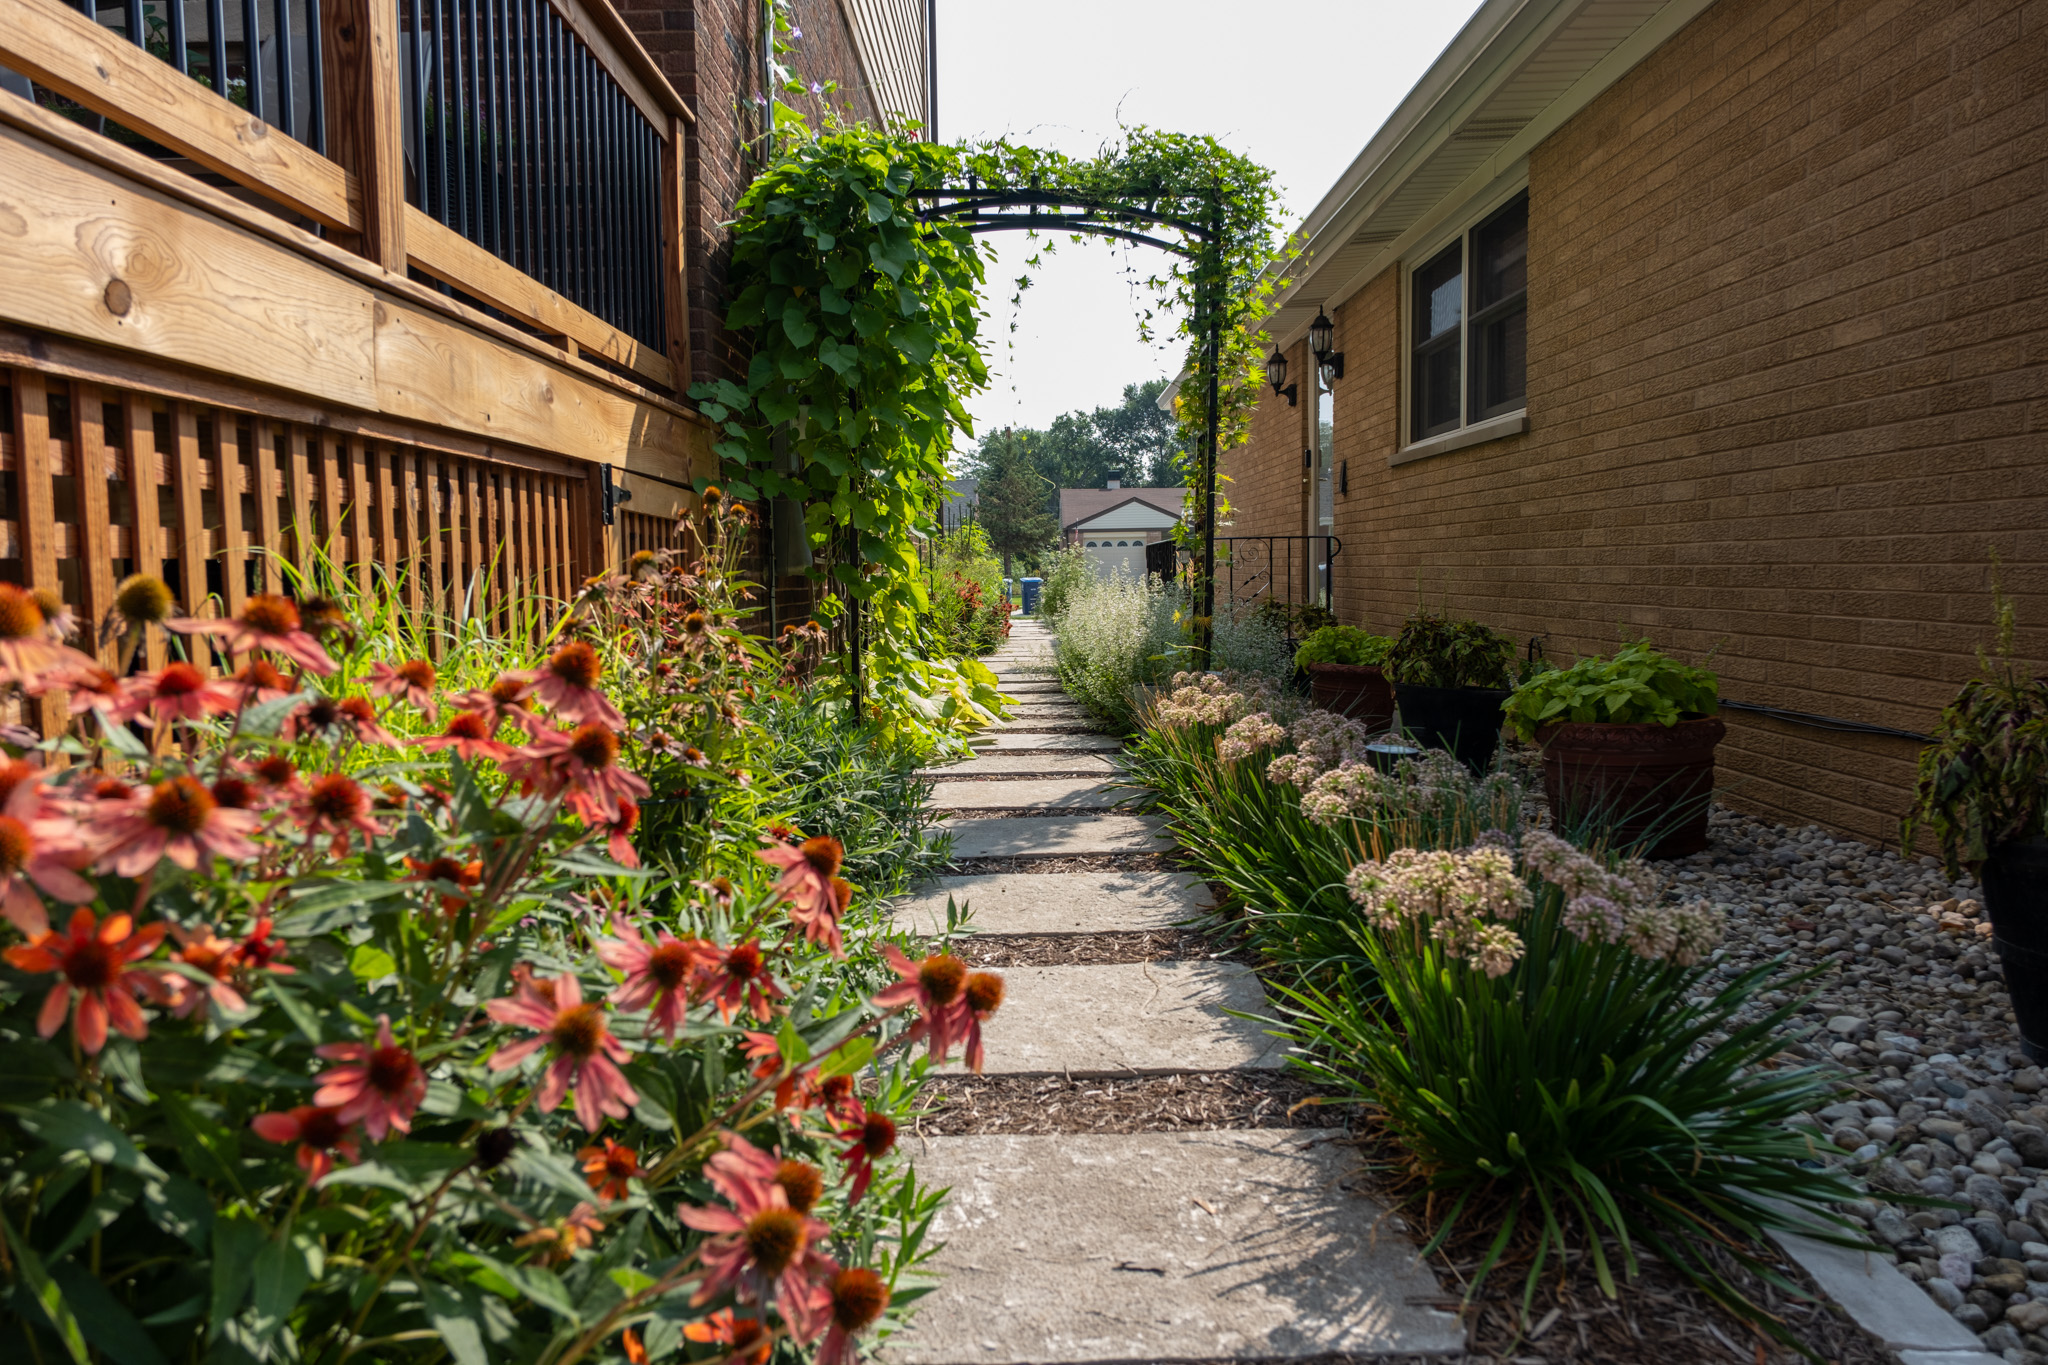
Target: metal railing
(1294, 571)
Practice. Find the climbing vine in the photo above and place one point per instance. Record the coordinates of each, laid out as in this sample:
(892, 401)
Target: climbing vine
(864, 324)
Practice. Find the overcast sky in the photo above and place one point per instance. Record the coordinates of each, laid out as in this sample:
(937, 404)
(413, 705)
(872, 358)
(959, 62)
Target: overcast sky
(1065, 73)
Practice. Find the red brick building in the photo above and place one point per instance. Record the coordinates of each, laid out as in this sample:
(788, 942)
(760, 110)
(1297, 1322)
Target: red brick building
(1719, 321)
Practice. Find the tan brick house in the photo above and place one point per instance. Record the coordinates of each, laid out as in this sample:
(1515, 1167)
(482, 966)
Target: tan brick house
(1721, 321)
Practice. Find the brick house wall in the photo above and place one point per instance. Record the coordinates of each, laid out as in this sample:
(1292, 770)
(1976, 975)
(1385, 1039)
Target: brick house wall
(1268, 494)
(1787, 387)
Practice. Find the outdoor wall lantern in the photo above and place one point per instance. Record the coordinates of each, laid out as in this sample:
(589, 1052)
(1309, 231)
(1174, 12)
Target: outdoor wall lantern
(1322, 335)
(1276, 375)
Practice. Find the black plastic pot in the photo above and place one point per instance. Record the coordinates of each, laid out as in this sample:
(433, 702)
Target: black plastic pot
(2015, 880)
(1463, 720)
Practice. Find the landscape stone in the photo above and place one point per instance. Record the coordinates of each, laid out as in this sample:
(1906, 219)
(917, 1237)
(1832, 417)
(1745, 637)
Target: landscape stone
(1054, 836)
(1163, 1246)
(1129, 1018)
(1057, 902)
(1012, 741)
(1878, 1298)
(1048, 793)
(1025, 764)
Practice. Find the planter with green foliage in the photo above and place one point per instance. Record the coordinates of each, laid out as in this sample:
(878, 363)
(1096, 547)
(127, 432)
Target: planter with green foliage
(1450, 678)
(1628, 747)
(1983, 794)
(1344, 666)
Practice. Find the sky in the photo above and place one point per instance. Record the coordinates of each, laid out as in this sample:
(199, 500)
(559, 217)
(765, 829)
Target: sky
(1301, 96)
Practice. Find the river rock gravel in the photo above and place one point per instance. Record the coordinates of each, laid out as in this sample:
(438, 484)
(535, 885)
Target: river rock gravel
(1910, 1005)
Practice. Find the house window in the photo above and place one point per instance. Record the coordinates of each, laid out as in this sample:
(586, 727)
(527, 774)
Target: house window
(1326, 442)
(1468, 337)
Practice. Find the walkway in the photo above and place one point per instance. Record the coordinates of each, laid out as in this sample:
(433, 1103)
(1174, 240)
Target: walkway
(1224, 1244)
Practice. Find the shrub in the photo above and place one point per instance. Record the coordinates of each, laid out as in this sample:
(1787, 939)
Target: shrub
(1247, 640)
(1638, 686)
(1118, 633)
(1436, 651)
(969, 614)
(1067, 574)
(1343, 645)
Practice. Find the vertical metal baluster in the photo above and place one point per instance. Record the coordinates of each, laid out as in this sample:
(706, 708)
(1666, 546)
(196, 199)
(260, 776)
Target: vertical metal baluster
(530, 84)
(217, 46)
(465, 108)
(286, 117)
(508, 177)
(520, 189)
(252, 58)
(90, 9)
(316, 97)
(657, 234)
(572, 101)
(416, 14)
(559, 151)
(606, 193)
(593, 200)
(489, 210)
(443, 197)
(138, 23)
(646, 231)
(177, 36)
(547, 144)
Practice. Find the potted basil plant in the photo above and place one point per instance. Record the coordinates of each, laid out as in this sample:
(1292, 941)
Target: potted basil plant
(1983, 794)
(1344, 667)
(1450, 678)
(1628, 744)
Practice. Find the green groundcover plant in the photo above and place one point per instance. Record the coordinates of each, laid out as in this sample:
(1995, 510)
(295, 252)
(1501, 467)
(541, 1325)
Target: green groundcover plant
(1343, 645)
(326, 1044)
(1638, 686)
(1440, 651)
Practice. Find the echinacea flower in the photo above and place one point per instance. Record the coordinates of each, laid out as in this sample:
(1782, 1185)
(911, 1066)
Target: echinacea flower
(934, 986)
(359, 718)
(586, 1054)
(981, 997)
(743, 981)
(319, 1133)
(177, 819)
(412, 680)
(585, 764)
(563, 1238)
(859, 1296)
(96, 689)
(505, 699)
(376, 1085)
(567, 685)
(873, 1136)
(471, 734)
(761, 1249)
(260, 950)
(214, 957)
(618, 834)
(447, 872)
(47, 853)
(31, 654)
(802, 1183)
(336, 804)
(266, 621)
(142, 600)
(608, 1168)
(660, 976)
(94, 962)
(177, 691)
(817, 896)
(634, 1348)
(742, 1337)
(277, 773)
(796, 1087)
(258, 681)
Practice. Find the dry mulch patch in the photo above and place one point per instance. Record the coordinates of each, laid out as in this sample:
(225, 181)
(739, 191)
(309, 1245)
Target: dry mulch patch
(1078, 862)
(961, 814)
(982, 1105)
(1077, 950)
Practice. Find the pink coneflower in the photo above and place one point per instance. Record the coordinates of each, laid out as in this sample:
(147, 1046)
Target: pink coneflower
(807, 871)
(873, 1137)
(336, 804)
(178, 819)
(738, 1335)
(319, 1133)
(585, 1052)
(23, 794)
(505, 699)
(448, 872)
(568, 686)
(257, 682)
(47, 853)
(278, 778)
(660, 976)
(266, 621)
(761, 1249)
(93, 961)
(471, 734)
(359, 717)
(30, 654)
(743, 981)
(562, 1239)
(179, 691)
(608, 1169)
(618, 834)
(412, 680)
(96, 689)
(204, 951)
(798, 1089)
(981, 997)
(260, 950)
(583, 763)
(858, 1297)
(378, 1086)
(934, 986)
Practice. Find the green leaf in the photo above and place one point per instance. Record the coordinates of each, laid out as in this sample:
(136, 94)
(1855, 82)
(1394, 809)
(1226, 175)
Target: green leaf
(849, 1057)
(71, 1126)
(797, 323)
(236, 1241)
(455, 1316)
(795, 1051)
(180, 1208)
(369, 963)
(211, 1149)
(277, 1279)
(47, 1295)
(106, 1323)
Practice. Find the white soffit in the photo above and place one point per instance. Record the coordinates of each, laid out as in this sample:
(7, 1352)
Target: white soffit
(1129, 516)
(1510, 78)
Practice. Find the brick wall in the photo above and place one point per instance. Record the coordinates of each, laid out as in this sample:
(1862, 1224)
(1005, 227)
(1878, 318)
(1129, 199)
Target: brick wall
(1788, 386)
(1266, 489)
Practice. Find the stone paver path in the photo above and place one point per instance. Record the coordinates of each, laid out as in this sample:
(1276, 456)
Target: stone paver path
(1187, 1246)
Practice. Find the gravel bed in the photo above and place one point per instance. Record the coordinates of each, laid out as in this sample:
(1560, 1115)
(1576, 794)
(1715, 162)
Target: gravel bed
(972, 1105)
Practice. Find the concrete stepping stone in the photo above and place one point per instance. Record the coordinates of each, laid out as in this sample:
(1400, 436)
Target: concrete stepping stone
(1163, 1246)
(1040, 721)
(1011, 741)
(1045, 793)
(1038, 688)
(1020, 765)
(1129, 1019)
(1048, 836)
(1057, 902)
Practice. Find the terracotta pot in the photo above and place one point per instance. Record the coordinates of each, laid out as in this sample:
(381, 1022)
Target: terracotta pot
(1360, 691)
(1464, 720)
(2016, 896)
(1644, 781)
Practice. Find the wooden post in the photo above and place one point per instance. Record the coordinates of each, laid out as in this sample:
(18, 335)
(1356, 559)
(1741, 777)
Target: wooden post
(675, 257)
(95, 519)
(149, 526)
(364, 134)
(35, 508)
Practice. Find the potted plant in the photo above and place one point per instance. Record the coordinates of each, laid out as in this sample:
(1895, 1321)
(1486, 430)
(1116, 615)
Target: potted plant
(1983, 793)
(1450, 678)
(1627, 742)
(1343, 664)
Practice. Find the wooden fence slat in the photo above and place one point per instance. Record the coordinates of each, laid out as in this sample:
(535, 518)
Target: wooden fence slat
(269, 439)
(387, 537)
(95, 516)
(227, 463)
(530, 577)
(148, 556)
(410, 520)
(333, 473)
(36, 502)
(434, 506)
(472, 517)
(362, 542)
(554, 525)
(513, 566)
(302, 467)
(189, 539)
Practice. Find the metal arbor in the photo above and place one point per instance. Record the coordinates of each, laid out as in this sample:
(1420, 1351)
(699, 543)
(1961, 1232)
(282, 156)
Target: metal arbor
(1124, 216)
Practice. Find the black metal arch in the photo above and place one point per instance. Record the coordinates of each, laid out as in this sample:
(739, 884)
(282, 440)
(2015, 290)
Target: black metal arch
(1126, 217)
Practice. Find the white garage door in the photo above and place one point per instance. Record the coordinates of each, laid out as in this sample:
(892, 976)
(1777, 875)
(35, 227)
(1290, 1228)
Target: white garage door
(1112, 553)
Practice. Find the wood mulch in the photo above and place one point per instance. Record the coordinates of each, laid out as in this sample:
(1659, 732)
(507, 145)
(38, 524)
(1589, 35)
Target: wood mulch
(979, 1105)
(1088, 950)
(1079, 862)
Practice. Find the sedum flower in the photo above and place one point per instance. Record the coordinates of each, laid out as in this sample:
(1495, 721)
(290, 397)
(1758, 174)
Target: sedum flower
(95, 966)
(378, 1085)
(585, 1054)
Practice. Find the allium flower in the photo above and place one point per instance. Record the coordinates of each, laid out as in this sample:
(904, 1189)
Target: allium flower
(319, 1133)
(94, 963)
(1594, 918)
(567, 685)
(585, 1054)
(608, 1168)
(660, 976)
(266, 621)
(1697, 929)
(742, 981)
(562, 1239)
(1650, 932)
(412, 680)
(738, 1335)
(178, 819)
(31, 654)
(858, 1297)
(471, 734)
(178, 692)
(761, 1249)
(934, 986)
(982, 996)
(47, 853)
(873, 1137)
(376, 1085)
(817, 896)
(1349, 791)
(1493, 948)
(336, 804)
(1249, 736)
(447, 872)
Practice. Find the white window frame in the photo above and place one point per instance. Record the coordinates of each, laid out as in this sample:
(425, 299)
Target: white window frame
(1457, 230)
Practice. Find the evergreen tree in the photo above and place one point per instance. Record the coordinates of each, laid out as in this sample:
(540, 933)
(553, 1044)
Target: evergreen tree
(1012, 500)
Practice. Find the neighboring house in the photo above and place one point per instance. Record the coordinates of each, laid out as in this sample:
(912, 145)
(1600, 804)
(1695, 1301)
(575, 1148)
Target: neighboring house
(1721, 323)
(1114, 524)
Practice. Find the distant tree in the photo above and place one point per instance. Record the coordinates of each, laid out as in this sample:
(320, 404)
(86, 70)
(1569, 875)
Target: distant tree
(1080, 448)
(1012, 500)
(1141, 435)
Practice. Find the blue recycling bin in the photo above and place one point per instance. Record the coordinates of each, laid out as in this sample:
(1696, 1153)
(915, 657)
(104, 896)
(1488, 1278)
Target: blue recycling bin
(1031, 587)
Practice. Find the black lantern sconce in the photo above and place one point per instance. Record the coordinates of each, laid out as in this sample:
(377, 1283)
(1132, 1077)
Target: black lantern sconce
(1322, 337)
(1276, 375)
